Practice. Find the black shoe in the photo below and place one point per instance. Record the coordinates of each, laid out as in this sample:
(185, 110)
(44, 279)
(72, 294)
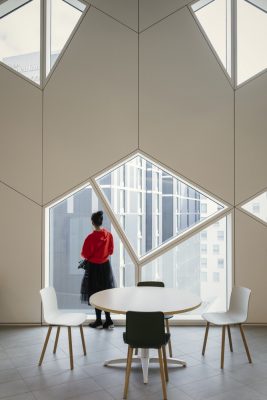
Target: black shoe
(97, 324)
(108, 325)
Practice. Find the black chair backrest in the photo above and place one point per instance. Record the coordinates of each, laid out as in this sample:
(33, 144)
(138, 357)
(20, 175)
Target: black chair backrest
(145, 329)
(151, 283)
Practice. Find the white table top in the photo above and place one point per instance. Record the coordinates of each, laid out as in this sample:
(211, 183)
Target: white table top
(167, 300)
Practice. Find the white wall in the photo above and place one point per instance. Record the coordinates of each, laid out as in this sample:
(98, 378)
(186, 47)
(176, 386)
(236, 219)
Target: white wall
(90, 120)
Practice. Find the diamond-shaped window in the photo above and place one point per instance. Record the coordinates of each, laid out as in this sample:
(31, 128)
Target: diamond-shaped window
(258, 207)
(22, 44)
(219, 19)
(152, 205)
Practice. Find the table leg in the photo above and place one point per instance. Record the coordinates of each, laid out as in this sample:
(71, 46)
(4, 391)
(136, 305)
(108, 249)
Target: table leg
(145, 363)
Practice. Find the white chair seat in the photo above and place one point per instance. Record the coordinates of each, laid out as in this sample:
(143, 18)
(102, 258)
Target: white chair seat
(66, 319)
(236, 315)
(224, 318)
(57, 318)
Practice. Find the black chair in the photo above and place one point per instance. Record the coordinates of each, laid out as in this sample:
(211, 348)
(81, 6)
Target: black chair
(166, 317)
(146, 330)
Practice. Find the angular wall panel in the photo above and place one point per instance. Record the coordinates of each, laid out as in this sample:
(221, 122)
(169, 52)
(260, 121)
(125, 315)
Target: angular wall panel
(21, 135)
(125, 11)
(251, 138)
(152, 11)
(20, 267)
(250, 268)
(90, 106)
(186, 105)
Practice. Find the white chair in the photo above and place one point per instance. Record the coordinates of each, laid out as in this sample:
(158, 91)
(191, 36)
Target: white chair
(56, 318)
(236, 315)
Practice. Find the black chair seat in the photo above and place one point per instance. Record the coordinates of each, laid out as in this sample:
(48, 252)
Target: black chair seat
(143, 346)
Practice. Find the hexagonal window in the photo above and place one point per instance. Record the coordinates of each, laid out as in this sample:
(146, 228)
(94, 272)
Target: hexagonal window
(152, 205)
(34, 33)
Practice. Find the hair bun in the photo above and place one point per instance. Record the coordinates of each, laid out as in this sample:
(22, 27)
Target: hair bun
(100, 213)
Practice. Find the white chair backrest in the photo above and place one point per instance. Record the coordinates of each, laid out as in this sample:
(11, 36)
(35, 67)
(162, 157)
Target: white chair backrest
(239, 301)
(49, 301)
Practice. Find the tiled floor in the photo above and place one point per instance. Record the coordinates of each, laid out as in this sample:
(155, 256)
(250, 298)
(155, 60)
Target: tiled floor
(22, 379)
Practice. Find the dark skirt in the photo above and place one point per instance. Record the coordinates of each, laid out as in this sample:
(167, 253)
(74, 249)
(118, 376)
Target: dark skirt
(96, 277)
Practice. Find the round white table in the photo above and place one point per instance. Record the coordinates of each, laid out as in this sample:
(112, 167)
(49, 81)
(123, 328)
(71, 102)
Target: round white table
(168, 300)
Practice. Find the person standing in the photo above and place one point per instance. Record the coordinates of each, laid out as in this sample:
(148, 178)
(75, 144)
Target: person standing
(97, 248)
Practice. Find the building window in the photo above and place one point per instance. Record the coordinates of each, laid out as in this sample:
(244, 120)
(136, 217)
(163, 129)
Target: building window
(216, 277)
(220, 235)
(216, 249)
(220, 263)
(203, 235)
(203, 276)
(203, 262)
(203, 248)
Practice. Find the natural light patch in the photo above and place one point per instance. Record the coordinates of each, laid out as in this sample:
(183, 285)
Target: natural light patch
(20, 37)
(63, 17)
(215, 19)
(68, 224)
(151, 205)
(21, 40)
(251, 38)
(197, 265)
(258, 207)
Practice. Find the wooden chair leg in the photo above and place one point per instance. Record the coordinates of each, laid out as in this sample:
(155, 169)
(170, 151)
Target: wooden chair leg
(230, 338)
(45, 345)
(83, 341)
(163, 381)
(136, 352)
(245, 343)
(168, 331)
(56, 341)
(223, 345)
(128, 370)
(165, 363)
(205, 338)
(70, 347)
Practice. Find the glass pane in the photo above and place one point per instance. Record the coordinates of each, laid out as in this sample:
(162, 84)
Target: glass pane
(61, 21)
(69, 224)
(193, 266)
(251, 42)
(215, 19)
(152, 205)
(20, 40)
(258, 207)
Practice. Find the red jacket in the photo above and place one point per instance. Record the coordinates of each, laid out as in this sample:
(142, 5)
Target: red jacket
(98, 246)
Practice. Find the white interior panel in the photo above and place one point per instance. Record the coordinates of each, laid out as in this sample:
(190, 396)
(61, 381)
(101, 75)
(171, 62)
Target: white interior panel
(186, 105)
(125, 11)
(250, 263)
(152, 11)
(251, 138)
(90, 106)
(20, 267)
(21, 135)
